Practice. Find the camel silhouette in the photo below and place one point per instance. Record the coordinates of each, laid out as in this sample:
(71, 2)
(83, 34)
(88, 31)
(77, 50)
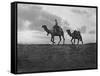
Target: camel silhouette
(75, 35)
(54, 33)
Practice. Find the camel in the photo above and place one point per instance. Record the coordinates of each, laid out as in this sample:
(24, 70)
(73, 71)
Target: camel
(60, 33)
(75, 35)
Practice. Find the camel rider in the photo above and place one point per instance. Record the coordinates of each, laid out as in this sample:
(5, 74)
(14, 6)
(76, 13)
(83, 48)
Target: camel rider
(56, 27)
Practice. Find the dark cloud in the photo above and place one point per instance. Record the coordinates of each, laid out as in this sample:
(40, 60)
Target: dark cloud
(84, 11)
(20, 25)
(82, 29)
(29, 13)
(78, 11)
(36, 16)
(92, 32)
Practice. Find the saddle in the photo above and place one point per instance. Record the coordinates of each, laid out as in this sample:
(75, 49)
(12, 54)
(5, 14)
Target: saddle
(57, 29)
(76, 33)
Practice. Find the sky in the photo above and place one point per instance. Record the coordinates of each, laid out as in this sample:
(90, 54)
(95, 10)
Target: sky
(31, 17)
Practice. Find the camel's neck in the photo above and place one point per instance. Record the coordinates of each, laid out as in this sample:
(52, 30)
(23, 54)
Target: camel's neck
(47, 30)
(70, 34)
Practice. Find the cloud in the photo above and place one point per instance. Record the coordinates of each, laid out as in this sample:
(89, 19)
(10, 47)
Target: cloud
(92, 32)
(82, 29)
(23, 24)
(28, 6)
(88, 12)
(29, 12)
(79, 11)
(36, 16)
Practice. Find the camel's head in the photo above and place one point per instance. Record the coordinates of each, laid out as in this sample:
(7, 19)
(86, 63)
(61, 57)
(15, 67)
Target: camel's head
(68, 30)
(46, 29)
(44, 26)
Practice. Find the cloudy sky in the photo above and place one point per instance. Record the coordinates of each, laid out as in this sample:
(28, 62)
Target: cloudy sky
(31, 17)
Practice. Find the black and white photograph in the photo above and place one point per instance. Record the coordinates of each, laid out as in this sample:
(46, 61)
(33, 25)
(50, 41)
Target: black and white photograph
(56, 38)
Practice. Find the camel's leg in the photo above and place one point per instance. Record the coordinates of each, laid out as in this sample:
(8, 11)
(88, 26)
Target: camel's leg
(63, 39)
(78, 42)
(72, 40)
(52, 40)
(82, 41)
(59, 40)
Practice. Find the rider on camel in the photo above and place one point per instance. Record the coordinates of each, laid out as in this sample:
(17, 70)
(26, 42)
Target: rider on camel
(56, 27)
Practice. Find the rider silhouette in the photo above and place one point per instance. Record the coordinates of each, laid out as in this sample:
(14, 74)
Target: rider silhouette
(56, 27)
